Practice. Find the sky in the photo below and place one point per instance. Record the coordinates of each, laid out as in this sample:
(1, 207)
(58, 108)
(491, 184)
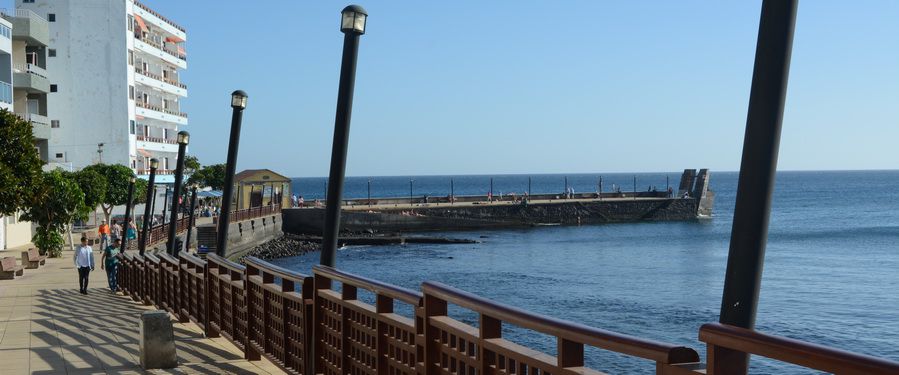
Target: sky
(478, 87)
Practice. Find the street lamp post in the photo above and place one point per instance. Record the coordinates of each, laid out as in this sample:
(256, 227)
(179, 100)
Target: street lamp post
(145, 227)
(452, 192)
(128, 213)
(183, 140)
(165, 204)
(238, 104)
(761, 142)
(100, 152)
(410, 192)
(369, 192)
(352, 24)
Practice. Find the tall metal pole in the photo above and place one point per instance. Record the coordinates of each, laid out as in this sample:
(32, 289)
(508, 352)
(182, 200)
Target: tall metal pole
(369, 192)
(410, 191)
(353, 20)
(761, 142)
(148, 206)
(491, 188)
(566, 185)
(635, 187)
(128, 204)
(183, 140)
(238, 103)
(190, 220)
(529, 187)
(600, 187)
(165, 204)
(452, 191)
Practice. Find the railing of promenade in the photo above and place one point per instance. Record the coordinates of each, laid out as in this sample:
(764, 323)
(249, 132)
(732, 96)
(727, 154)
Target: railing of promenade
(160, 233)
(251, 213)
(306, 324)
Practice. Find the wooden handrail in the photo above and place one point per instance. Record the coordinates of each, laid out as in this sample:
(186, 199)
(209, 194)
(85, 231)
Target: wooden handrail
(399, 293)
(793, 351)
(613, 341)
(191, 258)
(275, 270)
(222, 262)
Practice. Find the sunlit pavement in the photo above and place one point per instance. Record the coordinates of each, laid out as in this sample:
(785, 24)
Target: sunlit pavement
(47, 327)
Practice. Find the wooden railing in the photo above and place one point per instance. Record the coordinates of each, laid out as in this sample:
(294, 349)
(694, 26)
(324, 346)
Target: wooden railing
(251, 213)
(160, 233)
(305, 325)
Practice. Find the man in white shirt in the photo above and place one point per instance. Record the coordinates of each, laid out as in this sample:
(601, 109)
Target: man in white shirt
(84, 261)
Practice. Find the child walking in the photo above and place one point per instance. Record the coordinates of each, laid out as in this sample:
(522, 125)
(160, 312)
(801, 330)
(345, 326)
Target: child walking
(84, 261)
(110, 261)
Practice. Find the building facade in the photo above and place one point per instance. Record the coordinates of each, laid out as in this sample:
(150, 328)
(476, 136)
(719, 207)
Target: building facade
(114, 93)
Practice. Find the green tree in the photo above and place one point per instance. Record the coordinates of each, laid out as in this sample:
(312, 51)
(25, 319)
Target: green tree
(55, 202)
(20, 164)
(117, 178)
(210, 175)
(191, 165)
(94, 186)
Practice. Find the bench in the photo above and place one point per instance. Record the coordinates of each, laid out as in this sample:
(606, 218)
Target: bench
(31, 259)
(9, 269)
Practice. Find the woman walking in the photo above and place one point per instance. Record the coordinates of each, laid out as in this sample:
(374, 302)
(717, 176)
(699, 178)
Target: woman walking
(110, 262)
(84, 261)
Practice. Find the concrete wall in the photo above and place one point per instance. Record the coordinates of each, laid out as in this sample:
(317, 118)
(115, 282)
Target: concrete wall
(242, 236)
(16, 233)
(309, 220)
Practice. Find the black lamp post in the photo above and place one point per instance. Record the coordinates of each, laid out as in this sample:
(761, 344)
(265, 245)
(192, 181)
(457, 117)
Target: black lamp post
(238, 104)
(128, 213)
(352, 24)
(145, 227)
(183, 140)
(452, 191)
(190, 220)
(369, 192)
(410, 191)
(761, 142)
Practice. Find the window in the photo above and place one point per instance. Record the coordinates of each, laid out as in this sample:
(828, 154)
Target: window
(59, 155)
(131, 127)
(27, 1)
(51, 17)
(51, 52)
(130, 23)
(54, 88)
(54, 124)
(131, 92)
(130, 57)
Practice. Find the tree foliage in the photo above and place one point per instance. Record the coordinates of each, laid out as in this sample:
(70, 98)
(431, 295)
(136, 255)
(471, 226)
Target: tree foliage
(55, 202)
(210, 175)
(117, 178)
(20, 164)
(140, 191)
(94, 187)
(191, 165)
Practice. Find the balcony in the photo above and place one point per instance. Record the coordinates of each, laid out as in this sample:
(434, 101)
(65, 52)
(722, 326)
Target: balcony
(167, 54)
(31, 78)
(39, 123)
(28, 26)
(157, 144)
(159, 113)
(158, 82)
(158, 171)
(5, 93)
(145, 12)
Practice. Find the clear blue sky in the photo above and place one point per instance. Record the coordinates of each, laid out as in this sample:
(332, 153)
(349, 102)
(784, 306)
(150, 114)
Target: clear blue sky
(490, 87)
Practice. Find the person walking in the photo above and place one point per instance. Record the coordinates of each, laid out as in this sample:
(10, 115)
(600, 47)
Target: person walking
(84, 262)
(110, 262)
(116, 231)
(103, 231)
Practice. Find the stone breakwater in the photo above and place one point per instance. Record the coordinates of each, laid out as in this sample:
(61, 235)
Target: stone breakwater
(287, 245)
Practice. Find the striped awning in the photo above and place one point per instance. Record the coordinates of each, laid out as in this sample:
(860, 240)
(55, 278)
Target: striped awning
(140, 23)
(144, 153)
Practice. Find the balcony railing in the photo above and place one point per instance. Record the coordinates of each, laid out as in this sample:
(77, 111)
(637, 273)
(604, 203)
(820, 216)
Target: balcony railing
(35, 118)
(305, 324)
(166, 20)
(159, 109)
(156, 139)
(151, 42)
(30, 68)
(158, 171)
(251, 213)
(5, 92)
(157, 77)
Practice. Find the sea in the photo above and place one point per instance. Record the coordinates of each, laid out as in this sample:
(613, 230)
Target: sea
(831, 272)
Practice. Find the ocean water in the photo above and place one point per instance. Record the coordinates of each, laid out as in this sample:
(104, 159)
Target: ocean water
(831, 274)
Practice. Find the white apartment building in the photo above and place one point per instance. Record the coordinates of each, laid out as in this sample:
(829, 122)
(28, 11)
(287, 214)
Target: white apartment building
(114, 89)
(6, 64)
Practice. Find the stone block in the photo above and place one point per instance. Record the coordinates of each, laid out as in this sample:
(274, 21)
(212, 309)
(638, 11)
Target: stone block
(157, 341)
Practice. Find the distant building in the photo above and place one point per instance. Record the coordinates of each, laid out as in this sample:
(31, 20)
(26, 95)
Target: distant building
(114, 89)
(261, 187)
(6, 64)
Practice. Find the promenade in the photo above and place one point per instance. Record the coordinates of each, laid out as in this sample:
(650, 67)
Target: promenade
(47, 327)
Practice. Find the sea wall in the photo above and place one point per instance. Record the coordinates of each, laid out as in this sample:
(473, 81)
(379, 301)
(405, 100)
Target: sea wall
(309, 220)
(242, 235)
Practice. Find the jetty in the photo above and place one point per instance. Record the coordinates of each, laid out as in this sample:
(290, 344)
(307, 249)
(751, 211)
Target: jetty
(692, 200)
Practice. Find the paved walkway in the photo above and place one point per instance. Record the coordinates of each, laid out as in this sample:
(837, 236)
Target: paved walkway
(47, 327)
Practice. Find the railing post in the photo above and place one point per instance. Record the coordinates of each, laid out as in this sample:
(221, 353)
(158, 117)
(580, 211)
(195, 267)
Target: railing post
(433, 307)
(348, 293)
(320, 282)
(211, 271)
(489, 328)
(570, 353)
(383, 305)
(250, 352)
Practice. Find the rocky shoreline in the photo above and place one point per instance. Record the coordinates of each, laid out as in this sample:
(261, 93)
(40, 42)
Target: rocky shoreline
(289, 245)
